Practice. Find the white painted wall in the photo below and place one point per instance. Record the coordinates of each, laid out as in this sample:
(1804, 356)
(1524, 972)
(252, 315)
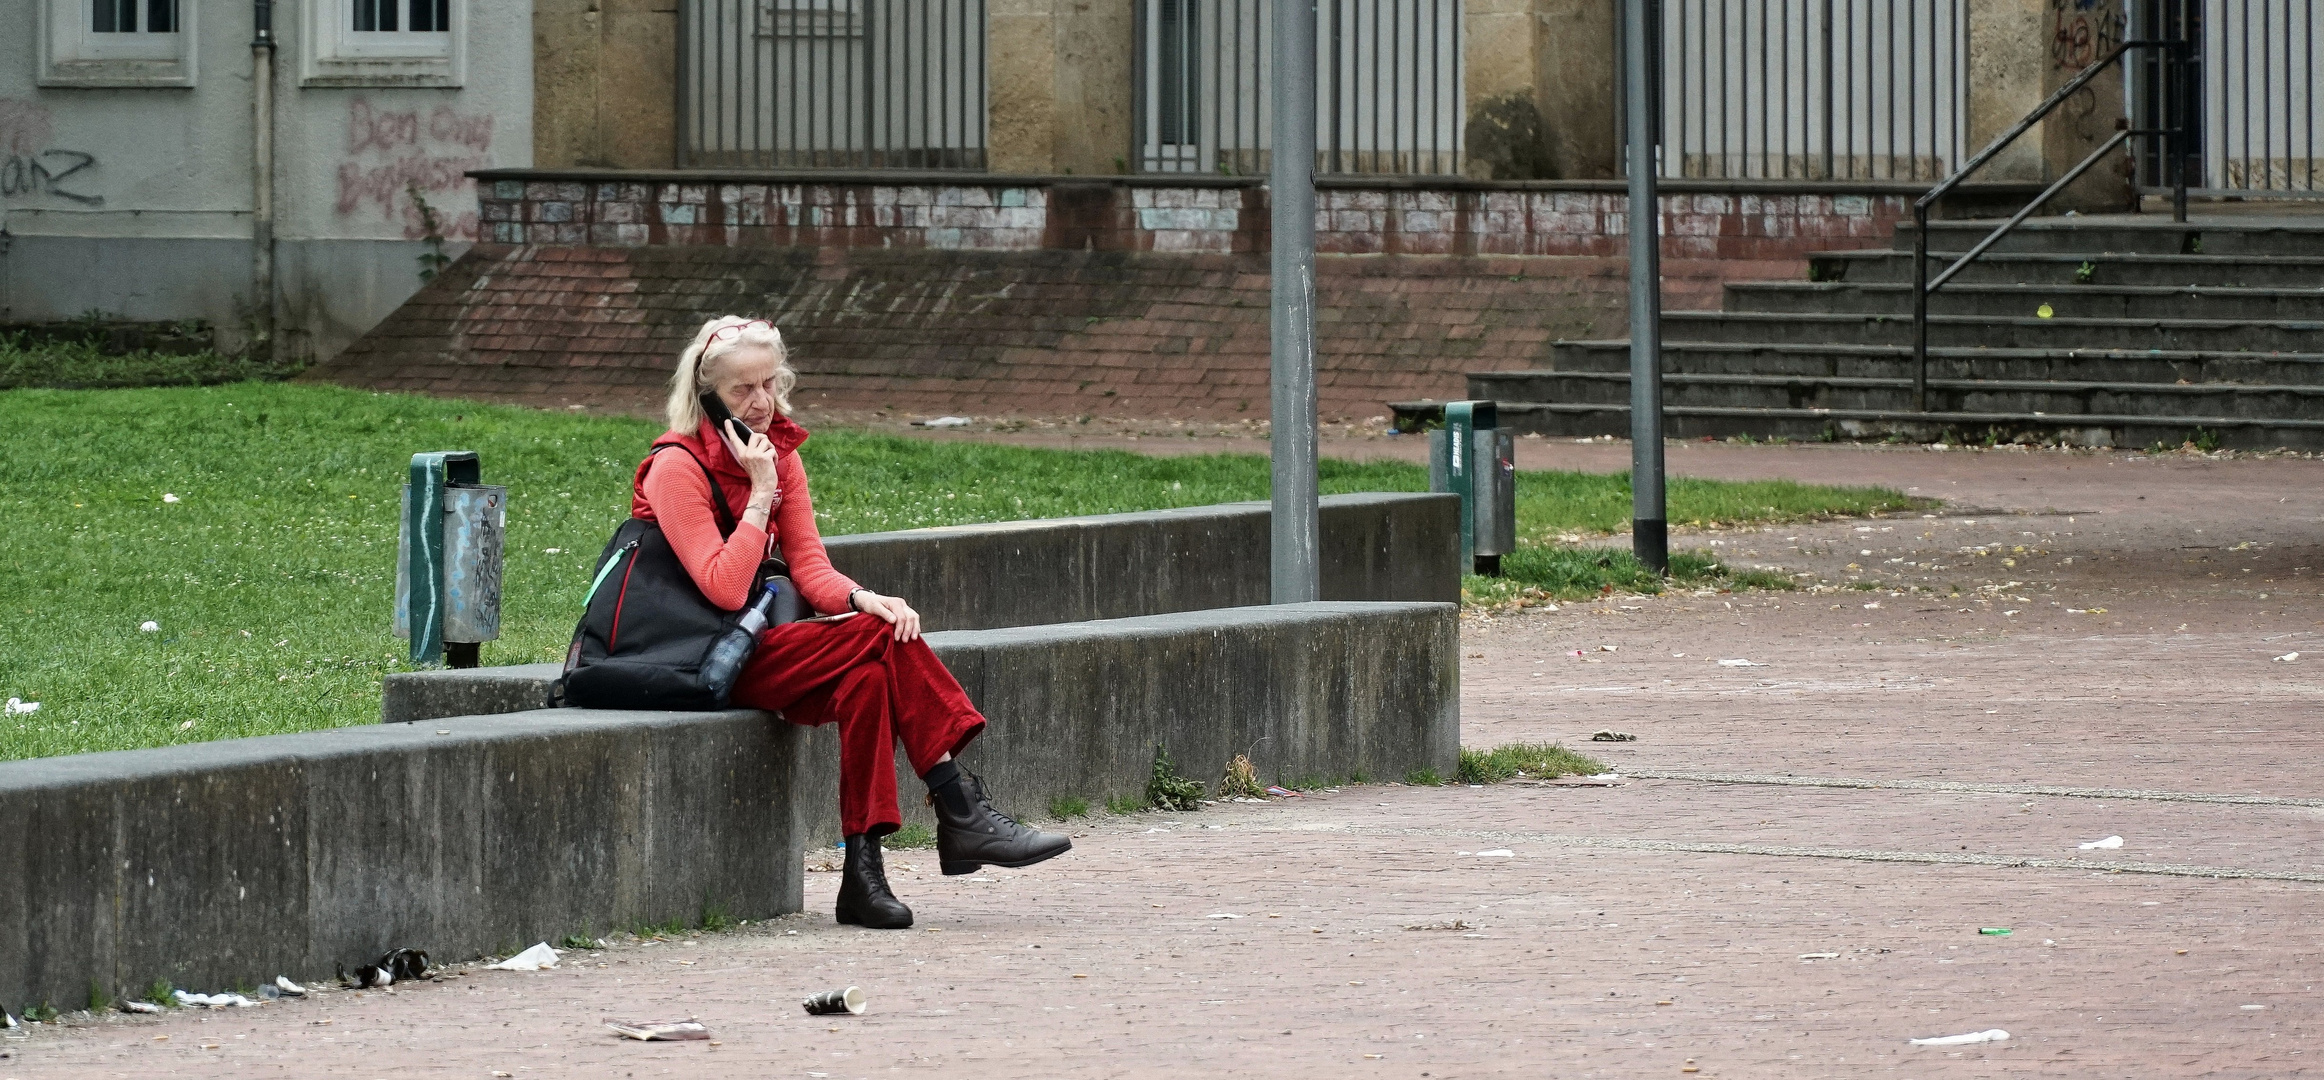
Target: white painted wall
(156, 224)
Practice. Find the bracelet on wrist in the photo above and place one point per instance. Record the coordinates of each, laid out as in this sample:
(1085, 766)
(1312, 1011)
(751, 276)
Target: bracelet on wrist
(851, 593)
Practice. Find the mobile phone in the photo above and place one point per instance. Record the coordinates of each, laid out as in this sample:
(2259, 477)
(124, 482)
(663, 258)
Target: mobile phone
(724, 418)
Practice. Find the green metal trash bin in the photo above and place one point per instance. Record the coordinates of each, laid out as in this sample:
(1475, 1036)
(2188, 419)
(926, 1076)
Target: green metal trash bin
(1472, 457)
(448, 559)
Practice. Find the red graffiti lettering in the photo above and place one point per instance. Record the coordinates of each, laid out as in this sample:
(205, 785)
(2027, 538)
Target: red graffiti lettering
(371, 129)
(459, 228)
(473, 132)
(391, 153)
(386, 183)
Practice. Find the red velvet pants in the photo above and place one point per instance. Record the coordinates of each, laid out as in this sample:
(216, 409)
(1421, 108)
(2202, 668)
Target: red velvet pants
(878, 690)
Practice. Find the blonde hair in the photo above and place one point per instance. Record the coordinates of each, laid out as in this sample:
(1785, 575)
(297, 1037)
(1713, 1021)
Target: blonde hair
(698, 366)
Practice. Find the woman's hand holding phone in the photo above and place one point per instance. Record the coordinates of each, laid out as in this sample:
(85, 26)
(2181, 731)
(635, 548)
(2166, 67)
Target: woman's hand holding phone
(757, 457)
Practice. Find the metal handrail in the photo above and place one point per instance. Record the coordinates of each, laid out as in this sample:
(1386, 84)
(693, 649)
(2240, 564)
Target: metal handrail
(2177, 148)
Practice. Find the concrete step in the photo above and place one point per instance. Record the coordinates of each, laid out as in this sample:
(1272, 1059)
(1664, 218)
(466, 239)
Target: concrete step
(2065, 268)
(1805, 425)
(1792, 328)
(1896, 362)
(2154, 329)
(2074, 301)
(2031, 398)
(2128, 234)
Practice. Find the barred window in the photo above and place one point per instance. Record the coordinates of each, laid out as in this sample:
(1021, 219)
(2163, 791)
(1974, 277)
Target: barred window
(124, 43)
(383, 42)
(389, 16)
(121, 16)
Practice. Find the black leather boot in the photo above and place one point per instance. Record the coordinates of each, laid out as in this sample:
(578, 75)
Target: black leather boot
(864, 897)
(971, 834)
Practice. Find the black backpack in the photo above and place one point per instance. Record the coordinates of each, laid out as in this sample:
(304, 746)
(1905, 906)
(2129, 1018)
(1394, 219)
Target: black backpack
(646, 627)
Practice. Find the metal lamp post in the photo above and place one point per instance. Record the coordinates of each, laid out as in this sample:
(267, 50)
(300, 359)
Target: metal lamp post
(1291, 326)
(1649, 520)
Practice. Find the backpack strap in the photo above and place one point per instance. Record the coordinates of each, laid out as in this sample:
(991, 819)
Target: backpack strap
(726, 522)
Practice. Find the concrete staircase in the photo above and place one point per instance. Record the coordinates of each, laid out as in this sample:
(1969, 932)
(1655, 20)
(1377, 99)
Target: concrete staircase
(2155, 332)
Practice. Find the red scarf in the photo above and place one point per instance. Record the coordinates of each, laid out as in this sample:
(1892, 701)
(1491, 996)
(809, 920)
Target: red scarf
(711, 450)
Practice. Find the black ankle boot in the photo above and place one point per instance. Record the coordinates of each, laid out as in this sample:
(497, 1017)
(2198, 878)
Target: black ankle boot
(864, 897)
(971, 834)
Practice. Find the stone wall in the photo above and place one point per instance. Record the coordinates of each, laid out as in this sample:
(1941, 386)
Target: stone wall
(1323, 691)
(1059, 296)
(228, 863)
(1216, 216)
(1370, 546)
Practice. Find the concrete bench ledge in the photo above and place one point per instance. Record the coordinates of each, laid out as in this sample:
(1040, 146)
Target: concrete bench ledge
(213, 864)
(1329, 689)
(231, 861)
(1372, 546)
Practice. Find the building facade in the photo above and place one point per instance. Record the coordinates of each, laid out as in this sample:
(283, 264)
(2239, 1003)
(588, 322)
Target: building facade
(152, 146)
(144, 144)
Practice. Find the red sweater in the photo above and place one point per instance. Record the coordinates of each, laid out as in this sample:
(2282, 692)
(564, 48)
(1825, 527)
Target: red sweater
(669, 489)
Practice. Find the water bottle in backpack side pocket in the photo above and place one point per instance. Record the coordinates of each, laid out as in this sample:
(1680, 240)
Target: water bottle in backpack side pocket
(723, 663)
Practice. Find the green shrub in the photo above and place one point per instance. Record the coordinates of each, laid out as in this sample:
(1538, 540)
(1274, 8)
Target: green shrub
(28, 360)
(1068, 807)
(1166, 790)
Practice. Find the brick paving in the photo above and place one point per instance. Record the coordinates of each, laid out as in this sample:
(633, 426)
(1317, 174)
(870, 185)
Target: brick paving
(2144, 662)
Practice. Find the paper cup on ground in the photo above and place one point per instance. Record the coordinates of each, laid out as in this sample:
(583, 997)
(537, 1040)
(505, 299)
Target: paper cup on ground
(850, 1000)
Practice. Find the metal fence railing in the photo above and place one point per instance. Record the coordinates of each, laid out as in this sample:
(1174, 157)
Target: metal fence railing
(1813, 89)
(2260, 94)
(2172, 142)
(2156, 93)
(2255, 77)
(1388, 86)
(832, 84)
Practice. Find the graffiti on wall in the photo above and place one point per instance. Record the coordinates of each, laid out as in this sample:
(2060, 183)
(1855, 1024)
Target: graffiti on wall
(2082, 32)
(391, 152)
(32, 165)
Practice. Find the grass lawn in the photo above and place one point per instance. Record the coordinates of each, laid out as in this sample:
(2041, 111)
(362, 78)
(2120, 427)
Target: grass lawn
(271, 576)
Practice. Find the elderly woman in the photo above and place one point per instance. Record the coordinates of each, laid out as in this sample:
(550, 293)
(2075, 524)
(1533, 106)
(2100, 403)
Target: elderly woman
(871, 674)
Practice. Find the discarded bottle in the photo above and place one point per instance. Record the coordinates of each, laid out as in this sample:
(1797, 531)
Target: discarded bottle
(733, 648)
(1994, 931)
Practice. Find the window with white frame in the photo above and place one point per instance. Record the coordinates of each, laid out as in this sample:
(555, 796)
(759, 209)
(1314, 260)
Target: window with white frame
(117, 42)
(384, 42)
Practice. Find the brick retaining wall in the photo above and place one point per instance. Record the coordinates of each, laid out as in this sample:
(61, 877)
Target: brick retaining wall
(1055, 296)
(1222, 217)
